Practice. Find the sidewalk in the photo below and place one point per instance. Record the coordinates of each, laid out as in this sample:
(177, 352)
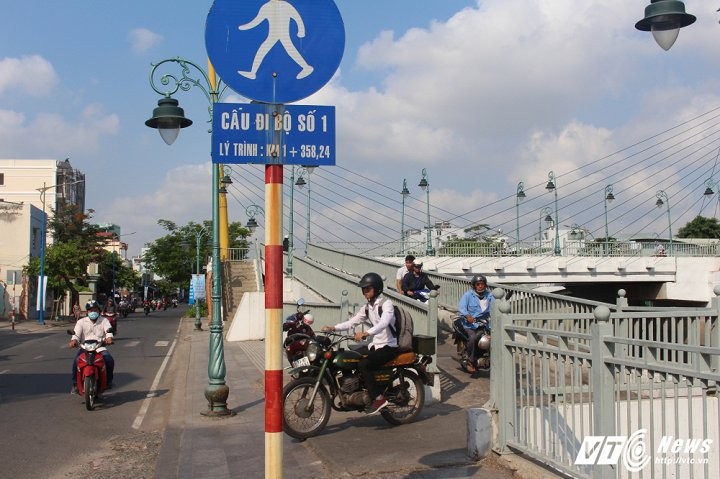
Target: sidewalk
(352, 445)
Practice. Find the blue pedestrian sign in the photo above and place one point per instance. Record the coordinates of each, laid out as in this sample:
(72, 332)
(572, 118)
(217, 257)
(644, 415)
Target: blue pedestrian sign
(275, 51)
(273, 134)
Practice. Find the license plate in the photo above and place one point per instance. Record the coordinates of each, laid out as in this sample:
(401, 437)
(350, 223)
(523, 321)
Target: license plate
(304, 361)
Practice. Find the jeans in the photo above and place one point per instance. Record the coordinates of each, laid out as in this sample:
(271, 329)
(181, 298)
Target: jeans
(471, 345)
(109, 366)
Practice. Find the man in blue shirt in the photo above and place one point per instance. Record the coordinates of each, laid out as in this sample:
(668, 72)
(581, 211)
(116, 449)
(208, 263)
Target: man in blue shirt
(474, 308)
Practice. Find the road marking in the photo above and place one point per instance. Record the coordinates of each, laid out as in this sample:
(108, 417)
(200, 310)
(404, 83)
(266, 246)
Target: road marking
(132, 344)
(4, 371)
(153, 389)
(162, 344)
(39, 357)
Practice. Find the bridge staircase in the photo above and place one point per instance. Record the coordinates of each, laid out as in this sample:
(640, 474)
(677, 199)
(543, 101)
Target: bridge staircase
(239, 277)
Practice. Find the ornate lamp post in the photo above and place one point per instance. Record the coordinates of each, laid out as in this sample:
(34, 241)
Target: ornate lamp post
(169, 118)
(660, 195)
(41, 288)
(709, 184)
(405, 193)
(252, 211)
(665, 18)
(609, 197)
(552, 186)
(425, 186)
(200, 233)
(519, 196)
(544, 215)
(306, 171)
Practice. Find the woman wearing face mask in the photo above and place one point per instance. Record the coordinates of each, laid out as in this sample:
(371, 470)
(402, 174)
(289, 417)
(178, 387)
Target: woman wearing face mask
(93, 326)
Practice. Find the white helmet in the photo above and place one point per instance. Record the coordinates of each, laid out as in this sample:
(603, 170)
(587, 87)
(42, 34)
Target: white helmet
(308, 319)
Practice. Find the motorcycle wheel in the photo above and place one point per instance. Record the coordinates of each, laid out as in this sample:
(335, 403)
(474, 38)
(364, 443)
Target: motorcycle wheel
(405, 399)
(89, 386)
(301, 419)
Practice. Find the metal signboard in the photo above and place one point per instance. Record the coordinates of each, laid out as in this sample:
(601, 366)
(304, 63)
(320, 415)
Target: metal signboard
(275, 51)
(273, 134)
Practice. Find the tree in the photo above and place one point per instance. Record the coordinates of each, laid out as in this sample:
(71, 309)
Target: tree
(113, 266)
(173, 256)
(75, 246)
(700, 227)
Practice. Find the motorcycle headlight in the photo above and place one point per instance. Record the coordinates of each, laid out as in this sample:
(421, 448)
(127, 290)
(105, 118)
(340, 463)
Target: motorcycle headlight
(312, 351)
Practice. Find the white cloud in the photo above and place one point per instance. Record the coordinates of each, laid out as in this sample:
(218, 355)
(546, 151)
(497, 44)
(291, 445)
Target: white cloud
(32, 75)
(143, 39)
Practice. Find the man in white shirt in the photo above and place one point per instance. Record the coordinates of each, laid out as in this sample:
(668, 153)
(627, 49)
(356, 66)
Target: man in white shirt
(93, 326)
(402, 271)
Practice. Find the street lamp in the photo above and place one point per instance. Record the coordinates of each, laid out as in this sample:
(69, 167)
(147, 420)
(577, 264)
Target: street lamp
(665, 18)
(425, 186)
(405, 193)
(303, 171)
(660, 195)
(552, 186)
(169, 118)
(709, 184)
(200, 233)
(544, 215)
(519, 196)
(42, 282)
(609, 197)
(252, 211)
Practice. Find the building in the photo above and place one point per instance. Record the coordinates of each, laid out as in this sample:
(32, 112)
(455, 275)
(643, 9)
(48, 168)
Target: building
(27, 189)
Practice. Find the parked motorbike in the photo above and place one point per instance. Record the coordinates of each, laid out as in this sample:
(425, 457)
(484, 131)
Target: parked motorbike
(91, 374)
(332, 380)
(299, 331)
(460, 337)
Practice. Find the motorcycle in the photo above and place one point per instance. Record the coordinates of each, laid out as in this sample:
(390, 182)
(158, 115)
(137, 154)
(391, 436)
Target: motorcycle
(482, 346)
(112, 319)
(146, 307)
(91, 374)
(331, 380)
(299, 331)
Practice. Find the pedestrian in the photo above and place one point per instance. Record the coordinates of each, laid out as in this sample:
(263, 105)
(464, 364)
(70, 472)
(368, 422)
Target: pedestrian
(76, 311)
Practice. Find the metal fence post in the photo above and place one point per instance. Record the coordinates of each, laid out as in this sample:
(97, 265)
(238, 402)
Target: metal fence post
(432, 327)
(603, 404)
(502, 382)
(714, 325)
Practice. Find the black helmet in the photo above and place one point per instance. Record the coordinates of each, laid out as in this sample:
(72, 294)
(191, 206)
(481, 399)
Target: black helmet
(374, 280)
(478, 278)
(92, 304)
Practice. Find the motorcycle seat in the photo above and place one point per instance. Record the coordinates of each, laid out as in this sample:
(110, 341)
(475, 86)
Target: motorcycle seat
(402, 359)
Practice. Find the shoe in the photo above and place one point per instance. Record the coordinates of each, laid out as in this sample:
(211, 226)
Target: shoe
(74, 390)
(376, 406)
(469, 367)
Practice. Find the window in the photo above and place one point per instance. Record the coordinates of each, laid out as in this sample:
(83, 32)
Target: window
(2, 179)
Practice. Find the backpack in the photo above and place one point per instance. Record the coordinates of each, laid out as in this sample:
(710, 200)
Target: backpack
(402, 330)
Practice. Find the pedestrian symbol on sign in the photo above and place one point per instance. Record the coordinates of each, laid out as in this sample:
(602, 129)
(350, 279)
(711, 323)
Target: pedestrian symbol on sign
(275, 51)
(279, 15)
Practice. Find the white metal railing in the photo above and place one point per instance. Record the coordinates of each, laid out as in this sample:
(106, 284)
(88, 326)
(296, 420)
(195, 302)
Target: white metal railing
(649, 375)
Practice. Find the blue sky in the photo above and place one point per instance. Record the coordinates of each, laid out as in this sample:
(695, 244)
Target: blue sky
(481, 93)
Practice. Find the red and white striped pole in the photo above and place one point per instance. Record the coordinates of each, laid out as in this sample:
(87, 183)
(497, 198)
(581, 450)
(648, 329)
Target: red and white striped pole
(273, 321)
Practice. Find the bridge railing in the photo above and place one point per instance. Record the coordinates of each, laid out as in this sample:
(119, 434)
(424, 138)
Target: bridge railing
(649, 375)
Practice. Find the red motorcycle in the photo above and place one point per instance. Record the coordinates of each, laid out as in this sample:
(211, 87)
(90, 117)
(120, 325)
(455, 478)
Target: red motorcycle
(91, 375)
(112, 319)
(299, 331)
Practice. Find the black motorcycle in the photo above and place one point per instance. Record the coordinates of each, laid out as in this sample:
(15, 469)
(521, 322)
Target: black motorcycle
(332, 380)
(482, 346)
(299, 331)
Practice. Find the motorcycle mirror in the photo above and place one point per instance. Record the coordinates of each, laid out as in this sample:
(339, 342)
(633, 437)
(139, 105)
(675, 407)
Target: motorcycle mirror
(300, 301)
(111, 330)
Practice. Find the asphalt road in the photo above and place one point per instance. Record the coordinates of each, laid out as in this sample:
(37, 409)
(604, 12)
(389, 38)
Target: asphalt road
(47, 432)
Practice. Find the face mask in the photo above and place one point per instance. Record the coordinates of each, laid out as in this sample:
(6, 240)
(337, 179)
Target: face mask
(93, 315)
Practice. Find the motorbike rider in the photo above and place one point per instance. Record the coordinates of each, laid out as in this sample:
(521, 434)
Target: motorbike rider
(383, 348)
(93, 326)
(415, 281)
(475, 307)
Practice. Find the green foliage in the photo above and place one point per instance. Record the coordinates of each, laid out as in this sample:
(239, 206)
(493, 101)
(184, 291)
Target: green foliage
(203, 310)
(75, 246)
(174, 256)
(700, 227)
(113, 265)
